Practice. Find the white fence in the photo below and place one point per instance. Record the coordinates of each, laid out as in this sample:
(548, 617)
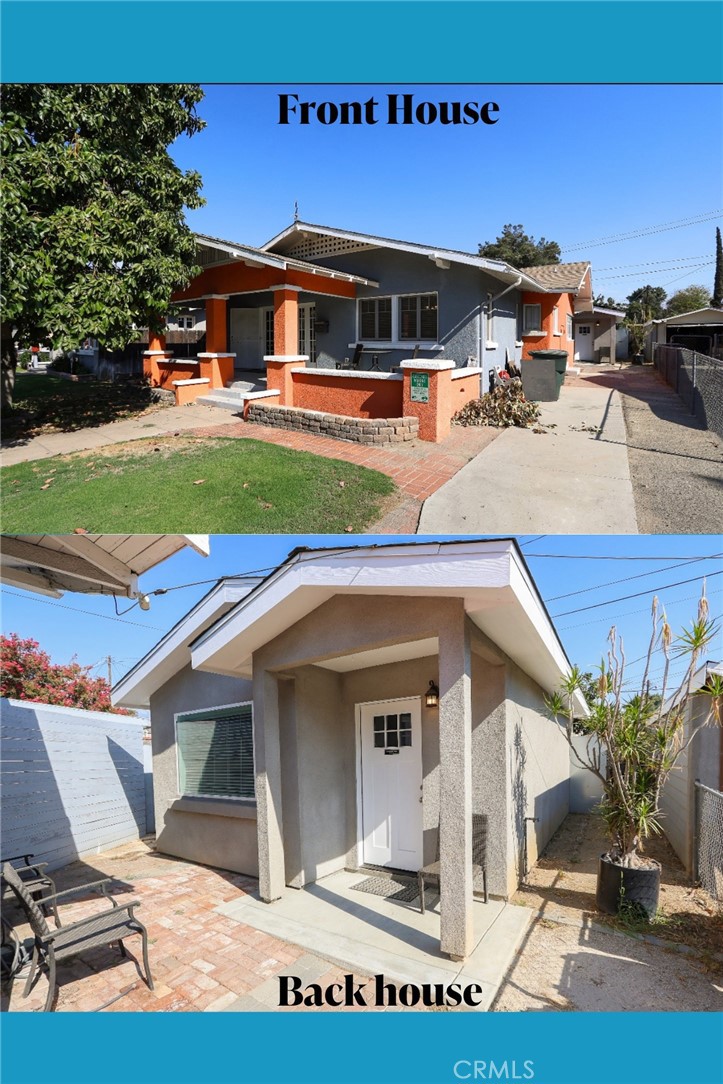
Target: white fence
(72, 781)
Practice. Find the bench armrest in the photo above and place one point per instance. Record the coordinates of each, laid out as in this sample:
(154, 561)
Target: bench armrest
(78, 926)
(100, 885)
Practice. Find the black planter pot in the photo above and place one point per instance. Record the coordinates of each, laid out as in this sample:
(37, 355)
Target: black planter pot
(620, 886)
(638, 359)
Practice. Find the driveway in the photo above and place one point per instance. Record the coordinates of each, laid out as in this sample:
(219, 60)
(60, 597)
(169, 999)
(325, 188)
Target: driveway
(573, 477)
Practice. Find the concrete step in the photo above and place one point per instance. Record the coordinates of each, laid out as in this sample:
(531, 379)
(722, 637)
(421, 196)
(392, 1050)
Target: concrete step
(223, 400)
(245, 385)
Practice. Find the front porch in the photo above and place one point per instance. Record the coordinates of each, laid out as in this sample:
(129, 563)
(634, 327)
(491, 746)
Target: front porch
(370, 935)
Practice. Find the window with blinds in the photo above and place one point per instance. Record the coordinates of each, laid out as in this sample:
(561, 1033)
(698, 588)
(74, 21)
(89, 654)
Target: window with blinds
(216, 753)
(418, 317)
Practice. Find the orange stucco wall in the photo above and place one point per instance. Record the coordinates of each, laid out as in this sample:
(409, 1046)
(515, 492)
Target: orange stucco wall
(357, 398)
(237, 278)
(162, 372)
(462, 391)
(186, 393)
(549, 341)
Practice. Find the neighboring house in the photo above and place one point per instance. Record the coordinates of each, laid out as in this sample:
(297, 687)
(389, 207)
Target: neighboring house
(597, 335)
(548, 317)
(297, 729)
(702, 761)
(700, 330)
(185, 335)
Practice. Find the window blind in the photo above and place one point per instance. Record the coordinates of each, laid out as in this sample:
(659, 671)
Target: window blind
(215, 753)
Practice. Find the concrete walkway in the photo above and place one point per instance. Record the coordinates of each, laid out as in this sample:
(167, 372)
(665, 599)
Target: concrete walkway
(571, 479)
(374, 935)
(167, 420)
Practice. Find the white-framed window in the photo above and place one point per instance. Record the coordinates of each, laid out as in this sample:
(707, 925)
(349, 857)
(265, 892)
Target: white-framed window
(375, 318)
(216, 752)
(569, 329)
(418, 317)
(268, 317)
(531, 318)
(186, 322)
(400, 318)
(555, 320)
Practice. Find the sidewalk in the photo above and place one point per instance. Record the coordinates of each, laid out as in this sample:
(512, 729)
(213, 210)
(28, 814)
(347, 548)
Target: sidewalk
(571, 479)
(169, 420)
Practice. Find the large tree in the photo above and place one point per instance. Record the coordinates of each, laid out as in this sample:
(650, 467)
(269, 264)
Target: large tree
(94, 235)
(717, 299)
(645, 304)
(26, 673)
(520, 249)
(688, 300)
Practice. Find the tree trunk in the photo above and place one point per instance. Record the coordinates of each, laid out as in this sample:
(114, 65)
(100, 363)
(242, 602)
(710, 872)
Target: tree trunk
(9, 365)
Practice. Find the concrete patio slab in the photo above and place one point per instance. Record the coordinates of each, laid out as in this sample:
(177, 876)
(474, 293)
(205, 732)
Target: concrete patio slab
(571, 479)
(375, 935)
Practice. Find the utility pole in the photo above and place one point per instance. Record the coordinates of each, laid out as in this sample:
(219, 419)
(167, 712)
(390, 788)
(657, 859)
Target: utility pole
(109, 661)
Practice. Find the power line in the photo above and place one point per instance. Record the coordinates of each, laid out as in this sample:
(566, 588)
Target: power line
(639, 594)
(637, 576)
(653, 263)
(663, 227)
(631, 613)
(614, 557)
(89, 613)
(649, 274)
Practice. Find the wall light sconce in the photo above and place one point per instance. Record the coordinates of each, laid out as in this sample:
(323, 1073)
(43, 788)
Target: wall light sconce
(431, 697)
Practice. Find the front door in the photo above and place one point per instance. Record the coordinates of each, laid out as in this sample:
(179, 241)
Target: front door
(307, 331)
(391, 783)
(584, 343)
(245, 339)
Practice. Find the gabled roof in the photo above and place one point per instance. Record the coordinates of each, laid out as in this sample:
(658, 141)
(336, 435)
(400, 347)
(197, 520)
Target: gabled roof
(489, 575)
(496, 268)
(559, 276)
(172, 652)
(259, 257)
(709, 315)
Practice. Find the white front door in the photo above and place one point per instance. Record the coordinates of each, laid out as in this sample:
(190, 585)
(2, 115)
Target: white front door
(584, 343)
(307, 331)
(391, 783)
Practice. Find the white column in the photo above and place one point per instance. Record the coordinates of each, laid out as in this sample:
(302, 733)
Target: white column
(267, 758)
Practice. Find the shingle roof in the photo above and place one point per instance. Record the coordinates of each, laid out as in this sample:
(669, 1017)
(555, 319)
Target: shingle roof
(563, 276)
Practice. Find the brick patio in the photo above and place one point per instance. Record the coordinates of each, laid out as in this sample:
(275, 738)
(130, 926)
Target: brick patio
(200, 961)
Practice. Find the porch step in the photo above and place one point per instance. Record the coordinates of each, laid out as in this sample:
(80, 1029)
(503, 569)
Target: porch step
(232, 398)
(245, 385)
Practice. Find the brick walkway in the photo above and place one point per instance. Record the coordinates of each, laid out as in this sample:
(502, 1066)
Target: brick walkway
(418, 467)
(200, 961)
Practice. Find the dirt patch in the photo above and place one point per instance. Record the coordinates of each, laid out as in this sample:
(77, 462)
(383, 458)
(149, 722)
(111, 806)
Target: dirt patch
(562, 884)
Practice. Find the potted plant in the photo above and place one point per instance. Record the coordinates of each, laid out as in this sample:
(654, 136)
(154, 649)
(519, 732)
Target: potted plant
(634, 742)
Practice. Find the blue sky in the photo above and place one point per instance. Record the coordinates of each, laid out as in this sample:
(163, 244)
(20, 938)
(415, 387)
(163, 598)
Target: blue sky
(572, 163)
(571, 572)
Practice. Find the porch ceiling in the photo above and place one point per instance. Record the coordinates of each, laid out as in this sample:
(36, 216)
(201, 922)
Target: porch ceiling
(382, 656)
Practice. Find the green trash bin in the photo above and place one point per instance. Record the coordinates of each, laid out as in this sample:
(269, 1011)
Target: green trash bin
(543, 375)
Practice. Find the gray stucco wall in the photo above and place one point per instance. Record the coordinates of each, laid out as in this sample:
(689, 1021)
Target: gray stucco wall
(213, 832)
(538, 773)
(462, 293)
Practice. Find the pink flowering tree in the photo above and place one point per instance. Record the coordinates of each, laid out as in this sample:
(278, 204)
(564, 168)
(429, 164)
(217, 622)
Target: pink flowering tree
(26, 673)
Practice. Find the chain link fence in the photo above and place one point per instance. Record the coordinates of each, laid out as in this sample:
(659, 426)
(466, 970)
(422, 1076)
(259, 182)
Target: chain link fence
(698, 380)
(708, 852)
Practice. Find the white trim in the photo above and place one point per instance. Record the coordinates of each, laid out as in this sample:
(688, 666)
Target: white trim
(200, 711)
(287, 359)
(155, 353)
(294, 289)
(358, 751)
(215, 297)
(467, 370)
(365, 374)
(490, 345)
(433, 364)
(192, 380)
(204, 355)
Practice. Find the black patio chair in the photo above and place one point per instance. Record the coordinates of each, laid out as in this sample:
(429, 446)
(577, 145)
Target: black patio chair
(98, 930)
(479, 858)
(36, 882)
(355, 360)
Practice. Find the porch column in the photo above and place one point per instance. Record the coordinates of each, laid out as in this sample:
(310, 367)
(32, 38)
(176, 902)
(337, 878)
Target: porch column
(286, 320)
(156, 352)
(267, 759)
(216, 362)
(455, 787)
(428, 395)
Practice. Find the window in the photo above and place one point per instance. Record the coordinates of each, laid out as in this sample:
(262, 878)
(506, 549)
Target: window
(215, 752)
(392, 731)
(375, 318)
(531, 318)
(410, 318)
(569, 327)
(186, 322)
(418, 317)
(555, 321)
(269, 332)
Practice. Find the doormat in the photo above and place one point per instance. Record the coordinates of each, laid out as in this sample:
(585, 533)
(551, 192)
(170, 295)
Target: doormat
(392, 888)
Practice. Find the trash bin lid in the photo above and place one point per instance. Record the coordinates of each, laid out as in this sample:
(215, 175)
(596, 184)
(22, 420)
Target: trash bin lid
(548, 353)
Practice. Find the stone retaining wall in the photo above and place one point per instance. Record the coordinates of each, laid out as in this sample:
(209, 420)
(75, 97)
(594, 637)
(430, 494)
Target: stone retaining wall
(361, 430)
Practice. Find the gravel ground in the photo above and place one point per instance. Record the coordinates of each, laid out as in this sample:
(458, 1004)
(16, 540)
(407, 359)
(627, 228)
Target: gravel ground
(576, 959)
(676, 464)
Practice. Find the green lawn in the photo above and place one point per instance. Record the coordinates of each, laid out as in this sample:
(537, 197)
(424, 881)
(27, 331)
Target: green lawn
(192, 485)
(44, 401)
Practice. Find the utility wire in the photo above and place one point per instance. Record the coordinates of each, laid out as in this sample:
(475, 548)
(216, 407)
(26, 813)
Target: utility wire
(89, 613)
(630, 613)
(637, 576)
(662, 227)
(660, 271)
(639, 594)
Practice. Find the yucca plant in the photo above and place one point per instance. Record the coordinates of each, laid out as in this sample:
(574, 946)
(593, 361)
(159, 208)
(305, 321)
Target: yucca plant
(643, 735)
